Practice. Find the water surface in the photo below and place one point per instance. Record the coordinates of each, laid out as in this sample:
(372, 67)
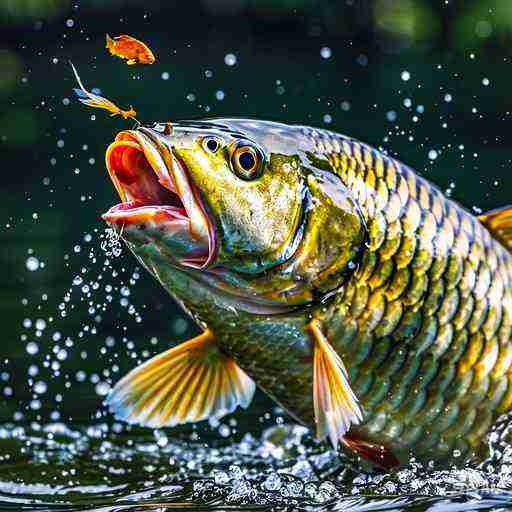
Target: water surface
(104, 467)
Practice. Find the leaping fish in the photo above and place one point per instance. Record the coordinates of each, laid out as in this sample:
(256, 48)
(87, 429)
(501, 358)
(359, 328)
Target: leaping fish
(129, 48)
(373, 308)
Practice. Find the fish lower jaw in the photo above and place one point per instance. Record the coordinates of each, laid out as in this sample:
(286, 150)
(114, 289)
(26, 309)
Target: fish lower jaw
(168, 227)
(133, 212)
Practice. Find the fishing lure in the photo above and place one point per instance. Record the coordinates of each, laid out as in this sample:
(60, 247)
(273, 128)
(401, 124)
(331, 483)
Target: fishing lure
(129, 48)
(95, 100)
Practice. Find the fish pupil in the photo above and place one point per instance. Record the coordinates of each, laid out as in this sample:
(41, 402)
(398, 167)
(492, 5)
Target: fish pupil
(212, 145)
(247, 161)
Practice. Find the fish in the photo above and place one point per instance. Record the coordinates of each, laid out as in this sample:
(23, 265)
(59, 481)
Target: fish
(129, 48)
(97, 101)
(372, 308)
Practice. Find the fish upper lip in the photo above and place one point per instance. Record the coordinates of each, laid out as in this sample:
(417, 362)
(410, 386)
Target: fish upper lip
(172, 175)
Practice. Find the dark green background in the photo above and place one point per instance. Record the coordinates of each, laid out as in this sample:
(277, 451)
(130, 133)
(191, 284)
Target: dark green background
(448, 48)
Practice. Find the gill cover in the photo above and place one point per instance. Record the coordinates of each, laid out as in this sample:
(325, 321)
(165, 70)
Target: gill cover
(287, 229)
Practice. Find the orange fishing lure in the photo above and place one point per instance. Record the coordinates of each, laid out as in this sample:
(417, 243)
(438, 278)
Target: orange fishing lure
(97, 101)
(129, 48)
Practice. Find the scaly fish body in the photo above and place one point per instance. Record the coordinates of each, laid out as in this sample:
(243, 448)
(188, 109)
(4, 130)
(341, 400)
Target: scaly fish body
(333, 244)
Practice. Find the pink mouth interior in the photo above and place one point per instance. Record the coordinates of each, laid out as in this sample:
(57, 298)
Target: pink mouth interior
(150, 195)
(137, 179)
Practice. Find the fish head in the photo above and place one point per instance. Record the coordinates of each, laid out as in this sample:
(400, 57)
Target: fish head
(240, 203)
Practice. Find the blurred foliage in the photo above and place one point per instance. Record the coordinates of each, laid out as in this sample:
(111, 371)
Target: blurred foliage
(414, 20)
(16, 11)
(395, 23)
(11, 69)
(484, 21)
(23, 128)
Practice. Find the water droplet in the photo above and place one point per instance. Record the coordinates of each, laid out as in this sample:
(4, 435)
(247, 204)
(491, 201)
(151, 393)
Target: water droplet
(432, 154)
(40, 324)
(230, 59)
(325, 52)
(391, 116)
(102, 388)
(40, 387)
(32, 263)
(32, 348)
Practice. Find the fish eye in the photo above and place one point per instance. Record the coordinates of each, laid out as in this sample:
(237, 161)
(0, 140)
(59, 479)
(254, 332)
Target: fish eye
(211, 144)
(246, 162)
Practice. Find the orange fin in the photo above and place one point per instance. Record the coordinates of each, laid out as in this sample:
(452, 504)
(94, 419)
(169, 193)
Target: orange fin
(185, 384)
(377, 454)
(109, 44)
(336, 406)
(499, 223)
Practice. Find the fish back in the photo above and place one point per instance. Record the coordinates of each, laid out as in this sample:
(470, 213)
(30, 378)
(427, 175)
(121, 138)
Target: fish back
(424, 325)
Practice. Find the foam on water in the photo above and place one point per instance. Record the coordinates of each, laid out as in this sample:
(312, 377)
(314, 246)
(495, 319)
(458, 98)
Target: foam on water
(111, 467)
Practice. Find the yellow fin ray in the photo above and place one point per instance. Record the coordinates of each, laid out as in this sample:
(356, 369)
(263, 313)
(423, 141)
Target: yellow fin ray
(335, 404)
(499, 224)
(153, 406)
(187, 383)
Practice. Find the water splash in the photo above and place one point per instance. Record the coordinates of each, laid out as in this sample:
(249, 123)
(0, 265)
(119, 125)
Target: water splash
(105, 467)
(111, 243)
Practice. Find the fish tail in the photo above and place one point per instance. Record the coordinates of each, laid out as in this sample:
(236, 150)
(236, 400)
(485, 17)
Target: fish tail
(109, 43)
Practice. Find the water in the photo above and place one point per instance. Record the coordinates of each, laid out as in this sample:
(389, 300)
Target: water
(104, 467)
(78, 313)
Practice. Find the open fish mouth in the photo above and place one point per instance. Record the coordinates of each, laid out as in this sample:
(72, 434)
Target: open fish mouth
(155, 188)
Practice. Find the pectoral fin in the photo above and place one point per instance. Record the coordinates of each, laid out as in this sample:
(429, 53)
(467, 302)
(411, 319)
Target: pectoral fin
(185, 384)
(336, 406)
(499, 223)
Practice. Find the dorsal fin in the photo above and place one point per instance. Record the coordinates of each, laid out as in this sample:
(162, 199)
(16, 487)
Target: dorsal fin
(499, 224)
